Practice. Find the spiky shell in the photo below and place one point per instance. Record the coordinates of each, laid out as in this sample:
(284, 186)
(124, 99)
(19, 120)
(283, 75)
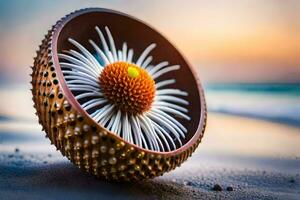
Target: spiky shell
(83, 141)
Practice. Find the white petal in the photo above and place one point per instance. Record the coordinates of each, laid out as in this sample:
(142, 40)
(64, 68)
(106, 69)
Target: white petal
(79, 74)
(86, 53)
(145, 53)
(130, 55)
(164, 83)
(79, 63)
(157, 67)
(165, 70)
(112, 44)
(88, 94)
(147, 62)
(160, 104)
(124, 51)
(104, 44)
(171, 99)
(100, 52)
(78, 68)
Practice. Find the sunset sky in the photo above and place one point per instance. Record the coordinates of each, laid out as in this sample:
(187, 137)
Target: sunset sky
(227, 41)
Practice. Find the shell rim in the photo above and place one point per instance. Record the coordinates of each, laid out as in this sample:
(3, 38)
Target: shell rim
(71, 99)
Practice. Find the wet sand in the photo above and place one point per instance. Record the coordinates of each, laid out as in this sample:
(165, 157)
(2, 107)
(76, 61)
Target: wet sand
(255, 159)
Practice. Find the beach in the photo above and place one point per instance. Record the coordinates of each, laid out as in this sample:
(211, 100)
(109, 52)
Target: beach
(253, 158)
(142, 69)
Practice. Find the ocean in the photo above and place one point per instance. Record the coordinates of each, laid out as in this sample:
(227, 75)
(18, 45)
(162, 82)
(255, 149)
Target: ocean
(273, 102)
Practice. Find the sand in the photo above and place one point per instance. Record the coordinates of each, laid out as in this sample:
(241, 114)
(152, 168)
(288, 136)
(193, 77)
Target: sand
(256, 159)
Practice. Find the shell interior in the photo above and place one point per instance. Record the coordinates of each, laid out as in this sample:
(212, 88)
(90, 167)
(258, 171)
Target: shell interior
(138, 37)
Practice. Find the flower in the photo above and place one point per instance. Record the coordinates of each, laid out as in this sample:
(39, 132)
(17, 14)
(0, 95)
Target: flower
(123, 95)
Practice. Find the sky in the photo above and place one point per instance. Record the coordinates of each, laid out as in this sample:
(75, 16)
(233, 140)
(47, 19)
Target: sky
(227, 41)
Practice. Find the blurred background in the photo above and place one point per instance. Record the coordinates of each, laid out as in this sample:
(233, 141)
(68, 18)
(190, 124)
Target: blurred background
(247, 53)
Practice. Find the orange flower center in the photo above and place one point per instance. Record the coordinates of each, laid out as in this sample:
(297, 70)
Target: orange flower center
(128, 86)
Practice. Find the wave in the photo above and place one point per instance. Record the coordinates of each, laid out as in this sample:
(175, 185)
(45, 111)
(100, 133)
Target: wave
(277, 102)
(292, 121)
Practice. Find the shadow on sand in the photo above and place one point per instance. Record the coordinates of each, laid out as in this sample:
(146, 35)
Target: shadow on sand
(65, 181)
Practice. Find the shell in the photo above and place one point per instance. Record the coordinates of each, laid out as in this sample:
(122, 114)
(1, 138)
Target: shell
(84, 142)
